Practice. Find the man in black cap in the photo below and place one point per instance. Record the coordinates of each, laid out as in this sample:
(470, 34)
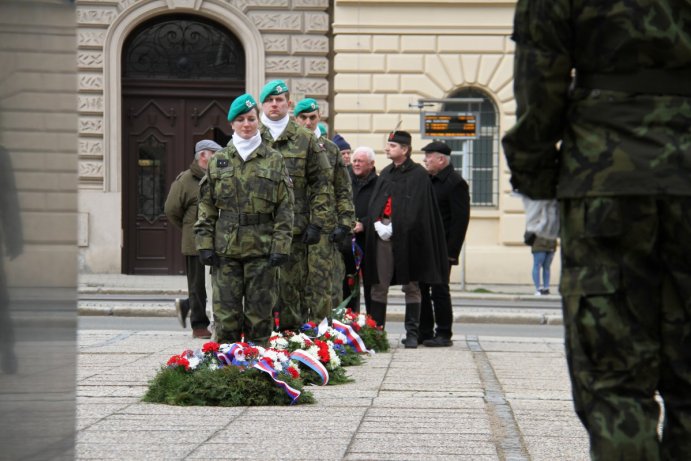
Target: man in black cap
(405, 241)
(453, 198)
(181, 210)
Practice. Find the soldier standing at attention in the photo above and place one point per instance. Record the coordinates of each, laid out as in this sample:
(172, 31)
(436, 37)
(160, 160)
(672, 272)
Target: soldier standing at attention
(324, 258)
(603, 115)
(181, 210)
(310, 171)
(245, 227)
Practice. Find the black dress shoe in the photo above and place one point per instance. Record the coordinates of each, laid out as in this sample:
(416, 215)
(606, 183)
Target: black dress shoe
(419, 340)
(182, 308)
(410, 343)
(438, 341)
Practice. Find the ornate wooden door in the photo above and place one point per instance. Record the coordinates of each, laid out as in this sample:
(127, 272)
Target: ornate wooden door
(180, 75)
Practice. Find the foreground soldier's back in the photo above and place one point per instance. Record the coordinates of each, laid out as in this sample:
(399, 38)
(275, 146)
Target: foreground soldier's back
(623, 177)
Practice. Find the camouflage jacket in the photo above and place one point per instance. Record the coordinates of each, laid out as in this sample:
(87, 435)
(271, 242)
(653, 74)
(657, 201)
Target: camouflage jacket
(181, 205)
(309, 170)
(617, 139)
(343, 210)
(235, 191)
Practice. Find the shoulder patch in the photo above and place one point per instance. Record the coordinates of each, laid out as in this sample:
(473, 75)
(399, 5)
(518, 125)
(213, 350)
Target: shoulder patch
(222, 163)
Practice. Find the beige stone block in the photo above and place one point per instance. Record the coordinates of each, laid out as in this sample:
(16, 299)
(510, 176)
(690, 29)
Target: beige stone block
(310, 4)
(359, 102)
(61, 122)
(90, 125)
(386, 43)
(359, 62)
(89, 59)
(309, 44)
(38, 101)
(316, 22)
(269, 21)
(90, 169)
(356, 123)
(421, 85)
(39, 142)
(90, 38)
(511, 228)
(386, 83)
(511, 203)
(90, 103)
(276, 43)
(90, 147)
(471, 43)
(471, 66)
(515, 263)
(52, 201)
(96, 15)
(56, 161)
(310, 87)
(385, 123)
(509, 107)
(316, 67)
(436, 70)
(488, 68)
(283, 65)
(404, 63)
(90, 82)
(503, 76)
(35, 180)
(361, 82)
(343, 43)
(452, 65)
(401, 102)
(418, 43)
(505, 93)
(57, 263)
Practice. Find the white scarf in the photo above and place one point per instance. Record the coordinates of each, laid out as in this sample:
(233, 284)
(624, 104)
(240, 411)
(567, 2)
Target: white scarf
(246, 146)
(275, 127)
(317, 133)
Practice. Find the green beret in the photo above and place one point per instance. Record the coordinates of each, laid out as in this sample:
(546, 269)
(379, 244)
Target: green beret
(306, 105)
(240, 105)
(322, 129)
(274, 87)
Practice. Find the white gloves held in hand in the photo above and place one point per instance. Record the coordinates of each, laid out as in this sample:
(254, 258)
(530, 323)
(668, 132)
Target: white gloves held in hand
(385, 231)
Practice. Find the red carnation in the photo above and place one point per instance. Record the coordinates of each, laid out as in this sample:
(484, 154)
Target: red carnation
(210, 347)
(293, 372)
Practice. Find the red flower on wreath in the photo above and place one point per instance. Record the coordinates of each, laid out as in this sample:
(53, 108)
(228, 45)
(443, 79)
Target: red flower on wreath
(210, 347)
(293, 372)
(323, 351)
(370, 322)
(179, 361)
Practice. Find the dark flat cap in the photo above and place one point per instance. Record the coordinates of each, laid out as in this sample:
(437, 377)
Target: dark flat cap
(437, 146)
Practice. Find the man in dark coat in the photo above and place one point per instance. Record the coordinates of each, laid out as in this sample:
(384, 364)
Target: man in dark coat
(453, 198)
(181, 210)
(363, 178)
(405, 241)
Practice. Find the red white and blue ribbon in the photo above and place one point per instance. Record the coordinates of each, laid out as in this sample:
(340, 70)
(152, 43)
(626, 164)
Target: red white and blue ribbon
(313, 363)
(268, 369)
(229, 357)
(352, 337)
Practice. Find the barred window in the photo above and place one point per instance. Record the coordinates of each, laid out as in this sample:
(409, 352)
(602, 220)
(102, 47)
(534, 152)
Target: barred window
(477, 160)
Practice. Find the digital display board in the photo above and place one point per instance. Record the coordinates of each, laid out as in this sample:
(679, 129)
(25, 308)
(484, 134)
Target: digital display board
(449, 125)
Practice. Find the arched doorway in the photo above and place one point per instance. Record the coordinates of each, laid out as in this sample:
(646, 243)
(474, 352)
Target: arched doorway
(179, 75)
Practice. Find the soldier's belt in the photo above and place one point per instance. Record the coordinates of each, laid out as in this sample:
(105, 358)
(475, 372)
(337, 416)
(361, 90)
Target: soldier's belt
(245, 219)
(645, 81)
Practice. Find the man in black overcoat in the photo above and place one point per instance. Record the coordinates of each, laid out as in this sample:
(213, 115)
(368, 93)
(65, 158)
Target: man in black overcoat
(405, 242)
(453, 198)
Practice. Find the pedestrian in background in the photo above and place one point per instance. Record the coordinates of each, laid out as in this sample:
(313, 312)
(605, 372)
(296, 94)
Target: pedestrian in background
(363, 177)
(325, 266)
(453, 198)
(310, 172)
(181, 210)
(603, 106)
(405, 235)
(543, 253)
(244, 228)
(344, 147)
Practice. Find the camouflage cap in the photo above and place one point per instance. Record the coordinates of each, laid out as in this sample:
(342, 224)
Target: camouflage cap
(306, 105)
(274, 87)
(240, 105)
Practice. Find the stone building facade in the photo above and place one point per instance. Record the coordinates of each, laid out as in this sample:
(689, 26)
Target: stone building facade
(369, 63)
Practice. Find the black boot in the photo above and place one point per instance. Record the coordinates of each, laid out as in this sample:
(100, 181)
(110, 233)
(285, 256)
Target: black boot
(412, 324)
(377, 311)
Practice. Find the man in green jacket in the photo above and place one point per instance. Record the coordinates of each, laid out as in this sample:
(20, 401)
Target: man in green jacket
(603, 105)
(181, 210)
(309, 171)
(324, 258)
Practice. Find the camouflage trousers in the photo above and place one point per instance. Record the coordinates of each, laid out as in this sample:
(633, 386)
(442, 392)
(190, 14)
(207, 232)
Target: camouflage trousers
(626, 288)
(253, 281)
(292, 280)
(319, 289)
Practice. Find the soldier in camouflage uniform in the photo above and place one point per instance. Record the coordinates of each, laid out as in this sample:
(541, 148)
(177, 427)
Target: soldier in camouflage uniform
(309, 170)
(244, 228)
(622, 174)
(325, 258)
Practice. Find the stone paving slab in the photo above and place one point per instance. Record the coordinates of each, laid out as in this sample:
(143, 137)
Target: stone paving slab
(424, 404)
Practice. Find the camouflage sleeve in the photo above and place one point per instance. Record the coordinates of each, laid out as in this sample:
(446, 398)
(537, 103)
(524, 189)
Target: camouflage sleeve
(343, 190)
(318, 174)
(283, 220)
(542, 75)
(173, 207)
(207, 214)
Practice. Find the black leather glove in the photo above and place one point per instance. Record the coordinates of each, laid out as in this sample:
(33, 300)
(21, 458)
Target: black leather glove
(346, 245)
(338, 234)
(312, 234)
(277, 259)
(209, 258)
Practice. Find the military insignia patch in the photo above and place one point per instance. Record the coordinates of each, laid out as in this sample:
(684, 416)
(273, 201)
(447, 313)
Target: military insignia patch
(222, 163)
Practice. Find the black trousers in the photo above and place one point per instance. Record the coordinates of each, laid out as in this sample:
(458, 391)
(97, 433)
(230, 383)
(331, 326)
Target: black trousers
(196, 289)
(435, 306)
